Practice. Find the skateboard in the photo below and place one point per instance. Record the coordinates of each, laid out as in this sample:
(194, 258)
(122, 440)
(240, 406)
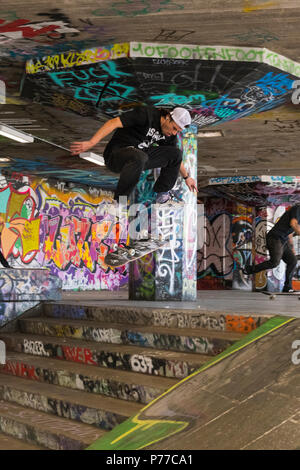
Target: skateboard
(122, 253)
(272, 295)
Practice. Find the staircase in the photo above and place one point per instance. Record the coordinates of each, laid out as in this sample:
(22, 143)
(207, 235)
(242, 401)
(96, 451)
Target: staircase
(74, 372)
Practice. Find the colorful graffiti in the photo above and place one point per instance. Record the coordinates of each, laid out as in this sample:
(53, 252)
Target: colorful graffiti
(23, 29)
(166, 75)
(71, 59)
(69, 233)
(226, 246)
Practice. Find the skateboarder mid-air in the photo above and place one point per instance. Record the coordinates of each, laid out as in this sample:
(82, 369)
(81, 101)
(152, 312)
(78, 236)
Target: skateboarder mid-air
(280, 245)
(144, 138)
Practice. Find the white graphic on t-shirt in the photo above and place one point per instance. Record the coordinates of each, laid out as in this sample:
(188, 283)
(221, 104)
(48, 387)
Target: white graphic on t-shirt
(155, 136)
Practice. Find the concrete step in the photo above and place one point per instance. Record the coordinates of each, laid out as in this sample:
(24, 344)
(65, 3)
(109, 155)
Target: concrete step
(44, 430)
(115, 356)
(195, 340)
(97, 410)
(11, 443)
(149, 316)
(120, 384)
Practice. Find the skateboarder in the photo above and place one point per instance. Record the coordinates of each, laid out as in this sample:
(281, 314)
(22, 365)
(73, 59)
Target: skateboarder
(145, 138)
(280, 245)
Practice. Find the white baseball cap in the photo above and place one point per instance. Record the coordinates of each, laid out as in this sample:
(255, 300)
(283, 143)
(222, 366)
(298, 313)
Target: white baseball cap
(181, 117)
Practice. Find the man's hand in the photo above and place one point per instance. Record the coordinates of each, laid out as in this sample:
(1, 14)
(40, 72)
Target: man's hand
(295, 226)
(80, 147)
(191, 184)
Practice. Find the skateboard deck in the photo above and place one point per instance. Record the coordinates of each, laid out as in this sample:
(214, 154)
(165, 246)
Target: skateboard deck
(273, 295)
(123, 254)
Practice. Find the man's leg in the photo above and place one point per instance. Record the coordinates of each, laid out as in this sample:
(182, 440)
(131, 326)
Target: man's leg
(129, 162)
(291, 262)
(168, 158)
(275, 248)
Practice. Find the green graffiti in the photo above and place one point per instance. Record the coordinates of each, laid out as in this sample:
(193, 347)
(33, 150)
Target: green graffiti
(133, 434)
(138, 7)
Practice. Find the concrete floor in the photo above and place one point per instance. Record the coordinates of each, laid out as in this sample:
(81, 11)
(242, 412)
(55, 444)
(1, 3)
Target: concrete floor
(220, 301)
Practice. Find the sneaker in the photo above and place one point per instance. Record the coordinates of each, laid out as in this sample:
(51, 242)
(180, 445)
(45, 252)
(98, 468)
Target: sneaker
(289, 290)
(162, 198)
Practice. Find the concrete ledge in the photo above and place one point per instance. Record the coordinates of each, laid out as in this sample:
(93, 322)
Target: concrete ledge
(9, 311)
(19, 285)
(152, 316)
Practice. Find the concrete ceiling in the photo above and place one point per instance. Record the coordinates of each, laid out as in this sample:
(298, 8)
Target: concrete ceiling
(261, 138)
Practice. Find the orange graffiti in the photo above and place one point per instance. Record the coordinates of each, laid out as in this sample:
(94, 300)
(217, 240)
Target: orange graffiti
(17, 222)
(240, 324)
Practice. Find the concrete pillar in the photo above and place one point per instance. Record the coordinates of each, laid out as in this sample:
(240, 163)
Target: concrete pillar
(170, 273)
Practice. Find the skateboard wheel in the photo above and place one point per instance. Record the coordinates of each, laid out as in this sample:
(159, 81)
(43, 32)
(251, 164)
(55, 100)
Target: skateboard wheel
(272, 297)
(114, 247)
(131, 251)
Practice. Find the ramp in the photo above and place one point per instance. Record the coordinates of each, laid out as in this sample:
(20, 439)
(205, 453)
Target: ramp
(248, 397)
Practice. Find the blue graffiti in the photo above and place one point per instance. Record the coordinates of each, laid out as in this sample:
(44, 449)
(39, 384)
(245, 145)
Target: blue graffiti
(86, 88)
(278, 84)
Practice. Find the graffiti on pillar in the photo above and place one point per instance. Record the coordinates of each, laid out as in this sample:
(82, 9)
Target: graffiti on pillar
(225, 245)
(169, 260)
(215, 256)
(19, 223)
(242, 234)
(188, 144)
(142, 283)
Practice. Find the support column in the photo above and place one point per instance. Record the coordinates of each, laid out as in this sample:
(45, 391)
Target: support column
(170, 273)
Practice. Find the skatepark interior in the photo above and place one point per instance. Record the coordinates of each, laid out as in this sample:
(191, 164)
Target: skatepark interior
(180, 350)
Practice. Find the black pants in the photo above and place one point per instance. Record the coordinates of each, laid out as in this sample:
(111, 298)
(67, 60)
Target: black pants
(130, 162)
(279, 251)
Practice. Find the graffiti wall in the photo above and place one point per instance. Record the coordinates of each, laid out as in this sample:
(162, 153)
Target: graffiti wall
(67, 230)
(234, 236)
(226, 246)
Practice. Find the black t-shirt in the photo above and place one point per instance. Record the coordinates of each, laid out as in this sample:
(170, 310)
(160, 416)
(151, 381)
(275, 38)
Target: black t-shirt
(141, 129)
(282, 229)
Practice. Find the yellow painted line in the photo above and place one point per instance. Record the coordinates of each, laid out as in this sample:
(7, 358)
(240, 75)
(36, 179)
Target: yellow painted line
(144, 424)
(213, 363)
(248, 8)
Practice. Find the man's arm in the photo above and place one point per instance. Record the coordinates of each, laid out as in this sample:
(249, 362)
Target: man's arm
(295, 226)
(290, 241)
(190, 182)
(107, 128)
